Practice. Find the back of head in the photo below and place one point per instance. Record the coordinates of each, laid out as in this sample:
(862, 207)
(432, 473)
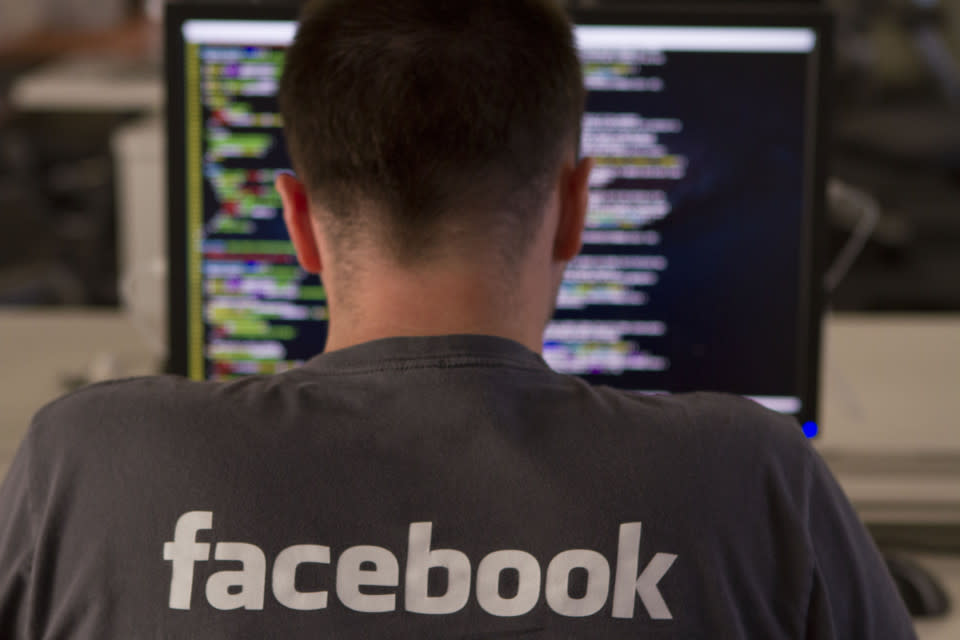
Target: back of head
(432, 125)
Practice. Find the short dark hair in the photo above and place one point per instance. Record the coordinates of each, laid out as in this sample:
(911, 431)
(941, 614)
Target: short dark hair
(441, 114)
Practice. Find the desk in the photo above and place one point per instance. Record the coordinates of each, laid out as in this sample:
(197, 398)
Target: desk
(111, 69)
(90, 83)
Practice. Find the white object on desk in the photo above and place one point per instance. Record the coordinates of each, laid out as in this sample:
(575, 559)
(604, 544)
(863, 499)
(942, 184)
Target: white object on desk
(138, 150)
(891, 414)
(90, 83)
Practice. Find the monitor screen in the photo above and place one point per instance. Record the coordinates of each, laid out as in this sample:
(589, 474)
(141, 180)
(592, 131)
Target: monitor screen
(699, 269)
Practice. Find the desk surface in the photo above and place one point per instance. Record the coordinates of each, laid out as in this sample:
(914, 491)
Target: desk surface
(91, 83)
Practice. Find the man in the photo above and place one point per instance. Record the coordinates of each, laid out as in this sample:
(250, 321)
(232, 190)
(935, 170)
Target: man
(428, 475)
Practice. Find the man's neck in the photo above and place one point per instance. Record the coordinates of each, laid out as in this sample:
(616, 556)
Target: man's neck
(400, 303)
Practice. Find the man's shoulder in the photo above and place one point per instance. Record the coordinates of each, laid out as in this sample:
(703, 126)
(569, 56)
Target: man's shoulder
(742, 426)
(731, 415)
(709, 417)
(113, 410)
(99, 399)
(719, 435)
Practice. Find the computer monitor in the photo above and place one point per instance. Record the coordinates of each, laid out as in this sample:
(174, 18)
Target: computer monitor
(701, 266)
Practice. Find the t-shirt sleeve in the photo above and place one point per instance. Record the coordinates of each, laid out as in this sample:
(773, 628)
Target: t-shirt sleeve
(17, 539)
(852, 594)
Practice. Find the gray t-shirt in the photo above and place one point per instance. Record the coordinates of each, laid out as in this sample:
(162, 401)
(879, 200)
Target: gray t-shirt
(447, 487)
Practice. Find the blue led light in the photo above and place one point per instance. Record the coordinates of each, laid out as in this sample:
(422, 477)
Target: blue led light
(811, 429)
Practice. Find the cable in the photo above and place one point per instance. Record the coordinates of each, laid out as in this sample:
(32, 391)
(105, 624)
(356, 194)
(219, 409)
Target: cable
(842, 196)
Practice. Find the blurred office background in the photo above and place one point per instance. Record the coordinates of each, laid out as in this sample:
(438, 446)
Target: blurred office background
(59, 217)
(896, 125)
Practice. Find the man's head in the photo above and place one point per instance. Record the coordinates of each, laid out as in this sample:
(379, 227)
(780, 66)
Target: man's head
(438, 122)
(425, 130)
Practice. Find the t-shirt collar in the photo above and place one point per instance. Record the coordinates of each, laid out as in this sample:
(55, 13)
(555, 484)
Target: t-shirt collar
(446, 350)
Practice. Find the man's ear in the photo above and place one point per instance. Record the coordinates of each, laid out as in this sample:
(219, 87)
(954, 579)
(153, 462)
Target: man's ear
(297, 216)
(574, 201)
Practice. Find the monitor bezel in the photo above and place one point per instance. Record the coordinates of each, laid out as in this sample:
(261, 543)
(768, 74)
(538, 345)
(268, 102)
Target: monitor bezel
(813, 299)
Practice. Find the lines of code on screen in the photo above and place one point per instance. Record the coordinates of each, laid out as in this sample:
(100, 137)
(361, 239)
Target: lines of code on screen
(262, 313)
(690, 273)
